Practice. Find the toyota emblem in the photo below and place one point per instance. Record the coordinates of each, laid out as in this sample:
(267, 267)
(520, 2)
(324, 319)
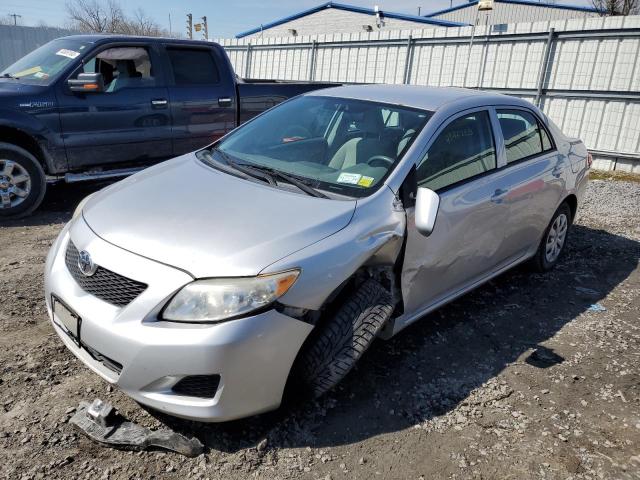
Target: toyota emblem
(85, 264)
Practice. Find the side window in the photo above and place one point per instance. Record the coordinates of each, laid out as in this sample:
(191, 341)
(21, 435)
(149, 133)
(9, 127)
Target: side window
(464, 149)
(122, 67)
(193, 66)
(523, 136)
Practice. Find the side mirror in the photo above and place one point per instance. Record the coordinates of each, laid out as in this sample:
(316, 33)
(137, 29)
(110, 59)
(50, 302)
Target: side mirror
(87, 83)
(427, 203)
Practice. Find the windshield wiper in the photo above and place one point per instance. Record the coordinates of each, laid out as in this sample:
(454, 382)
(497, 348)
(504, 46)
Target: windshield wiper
(269, 174)
(8, 75)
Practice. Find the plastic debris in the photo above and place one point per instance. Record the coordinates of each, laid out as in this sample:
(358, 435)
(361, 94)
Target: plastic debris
(596, 307)
(103, 424)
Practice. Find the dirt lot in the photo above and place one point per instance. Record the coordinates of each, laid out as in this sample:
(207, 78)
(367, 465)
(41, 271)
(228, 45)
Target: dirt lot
(459, 395)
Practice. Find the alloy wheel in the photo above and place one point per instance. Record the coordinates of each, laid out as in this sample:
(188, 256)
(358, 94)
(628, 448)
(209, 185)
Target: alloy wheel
(15, 184)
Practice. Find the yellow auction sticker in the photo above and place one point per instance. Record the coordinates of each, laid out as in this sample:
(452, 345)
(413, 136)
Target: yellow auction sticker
(365, 181)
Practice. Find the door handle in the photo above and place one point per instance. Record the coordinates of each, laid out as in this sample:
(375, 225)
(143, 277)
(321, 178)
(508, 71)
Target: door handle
(159, 103)
(498, 195)
(224, 102)
(557, 171)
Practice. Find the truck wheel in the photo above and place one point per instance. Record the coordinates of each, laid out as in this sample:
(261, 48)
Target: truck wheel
(341, 341)
(22, 182)
(554, 240)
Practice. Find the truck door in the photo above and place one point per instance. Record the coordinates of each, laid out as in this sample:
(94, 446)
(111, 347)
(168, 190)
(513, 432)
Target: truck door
(202, 96)
(128, 122)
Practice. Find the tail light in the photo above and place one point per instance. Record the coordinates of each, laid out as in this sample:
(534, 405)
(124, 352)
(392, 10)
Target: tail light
(589, 160)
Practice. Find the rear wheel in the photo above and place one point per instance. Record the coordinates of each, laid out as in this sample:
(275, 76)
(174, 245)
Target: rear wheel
(22, 182)
(340, 342)
(554, 240)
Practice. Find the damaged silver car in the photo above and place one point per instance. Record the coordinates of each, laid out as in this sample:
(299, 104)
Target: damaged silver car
(203, 286)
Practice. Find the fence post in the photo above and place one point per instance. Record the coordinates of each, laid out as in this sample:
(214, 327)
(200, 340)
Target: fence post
(312, 60)
(408, 60)
(543, 66)
(247, 64)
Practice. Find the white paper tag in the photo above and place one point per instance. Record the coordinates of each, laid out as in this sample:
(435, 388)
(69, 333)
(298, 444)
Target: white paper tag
(67, 53)
(351, 178)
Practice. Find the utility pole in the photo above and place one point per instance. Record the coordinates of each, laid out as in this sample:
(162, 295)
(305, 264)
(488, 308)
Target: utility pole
(189, 25)
(206, 29)
(15, 18)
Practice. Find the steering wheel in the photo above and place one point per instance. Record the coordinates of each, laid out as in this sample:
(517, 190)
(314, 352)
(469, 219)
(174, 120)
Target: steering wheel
(380, 161)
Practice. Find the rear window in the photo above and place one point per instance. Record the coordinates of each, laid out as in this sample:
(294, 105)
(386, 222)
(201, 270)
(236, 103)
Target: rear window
(193, 66)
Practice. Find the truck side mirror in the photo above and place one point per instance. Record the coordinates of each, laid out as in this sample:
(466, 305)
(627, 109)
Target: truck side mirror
(87, 83)
(427, 203)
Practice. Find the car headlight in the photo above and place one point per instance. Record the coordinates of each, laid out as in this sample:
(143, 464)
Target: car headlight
(78, 211)
(216, 299)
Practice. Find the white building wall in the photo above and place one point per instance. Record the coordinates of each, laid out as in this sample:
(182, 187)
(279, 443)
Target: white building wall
(512, 13)
(333, 20)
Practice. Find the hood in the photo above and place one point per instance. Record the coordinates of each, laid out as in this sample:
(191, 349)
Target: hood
(188, 215)
(12, 87)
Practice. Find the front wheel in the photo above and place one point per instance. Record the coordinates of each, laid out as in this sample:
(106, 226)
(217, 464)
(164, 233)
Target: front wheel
(554, 240)
(22, 182)
(340, 342)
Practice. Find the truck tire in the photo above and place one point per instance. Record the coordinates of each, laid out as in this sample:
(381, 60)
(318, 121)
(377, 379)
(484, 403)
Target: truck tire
(341, 341)
(22, 182)
(554, 240)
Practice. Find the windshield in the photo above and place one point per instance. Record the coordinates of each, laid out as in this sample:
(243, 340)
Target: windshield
(43, 65)
(334, 144)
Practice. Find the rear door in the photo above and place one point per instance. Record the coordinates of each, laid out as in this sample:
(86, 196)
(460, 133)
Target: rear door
(467, 242)
(536, 172)
(202, 96)
(129, 121)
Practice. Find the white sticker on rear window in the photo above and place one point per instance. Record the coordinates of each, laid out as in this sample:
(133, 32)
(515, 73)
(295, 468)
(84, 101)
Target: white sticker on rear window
(67, 53)
(351, 178)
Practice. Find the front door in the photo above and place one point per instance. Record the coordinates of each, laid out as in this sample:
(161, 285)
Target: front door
(467, 241)
(127, 123)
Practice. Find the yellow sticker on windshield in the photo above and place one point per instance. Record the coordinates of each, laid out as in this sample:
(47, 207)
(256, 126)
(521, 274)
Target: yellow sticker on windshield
(365, 181)
(28, 71)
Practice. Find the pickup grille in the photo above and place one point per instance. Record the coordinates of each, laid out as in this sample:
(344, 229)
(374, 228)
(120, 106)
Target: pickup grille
(103, 284)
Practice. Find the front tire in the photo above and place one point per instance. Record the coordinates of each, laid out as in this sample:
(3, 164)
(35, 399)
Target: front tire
(22, 182)
(343, 339)
(554, 240)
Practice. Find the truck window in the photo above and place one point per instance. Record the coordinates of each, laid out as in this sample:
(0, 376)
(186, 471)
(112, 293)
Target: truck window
(193, 66)
(122, 67)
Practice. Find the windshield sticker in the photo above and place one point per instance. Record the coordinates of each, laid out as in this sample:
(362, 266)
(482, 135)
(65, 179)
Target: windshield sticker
(28, 71)
(351, 178)
(67, 53)
(365, 181)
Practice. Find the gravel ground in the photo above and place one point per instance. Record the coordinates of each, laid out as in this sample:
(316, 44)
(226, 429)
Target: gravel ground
(523, 378)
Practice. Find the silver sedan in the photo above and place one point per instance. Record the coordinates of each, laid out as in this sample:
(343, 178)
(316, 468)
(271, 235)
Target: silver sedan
(204, 285)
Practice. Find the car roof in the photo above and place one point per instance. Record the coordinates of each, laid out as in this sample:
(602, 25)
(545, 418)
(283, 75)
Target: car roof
(425, 98)
(102, 38)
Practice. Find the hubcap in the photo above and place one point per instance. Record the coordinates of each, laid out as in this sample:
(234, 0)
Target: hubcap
(15, 184)
(556, 237)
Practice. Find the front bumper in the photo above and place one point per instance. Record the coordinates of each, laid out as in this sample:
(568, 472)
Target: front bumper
(252, 355)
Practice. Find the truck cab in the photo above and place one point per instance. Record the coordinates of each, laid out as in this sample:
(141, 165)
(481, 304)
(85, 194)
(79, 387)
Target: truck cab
(100, 106)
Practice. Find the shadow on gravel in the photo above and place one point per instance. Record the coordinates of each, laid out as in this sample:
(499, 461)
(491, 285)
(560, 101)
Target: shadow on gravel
(432, 366)
(59, 204)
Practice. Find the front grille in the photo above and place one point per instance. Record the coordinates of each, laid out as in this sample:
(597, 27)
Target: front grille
(104, 284)
(201, 386)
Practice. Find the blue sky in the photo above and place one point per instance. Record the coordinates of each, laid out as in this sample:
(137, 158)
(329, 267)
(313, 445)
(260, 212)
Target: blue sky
(225, 18)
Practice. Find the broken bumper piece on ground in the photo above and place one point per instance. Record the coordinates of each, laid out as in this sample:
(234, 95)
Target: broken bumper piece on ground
(102, 424)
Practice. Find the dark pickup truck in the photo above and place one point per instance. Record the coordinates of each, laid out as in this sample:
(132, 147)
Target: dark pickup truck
(95, 106)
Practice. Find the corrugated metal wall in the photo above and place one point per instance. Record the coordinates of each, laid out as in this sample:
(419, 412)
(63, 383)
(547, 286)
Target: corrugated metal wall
(512, 13)
(585, 75)
(17, 41)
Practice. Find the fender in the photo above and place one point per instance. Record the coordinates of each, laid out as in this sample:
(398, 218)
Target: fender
(29, 124)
